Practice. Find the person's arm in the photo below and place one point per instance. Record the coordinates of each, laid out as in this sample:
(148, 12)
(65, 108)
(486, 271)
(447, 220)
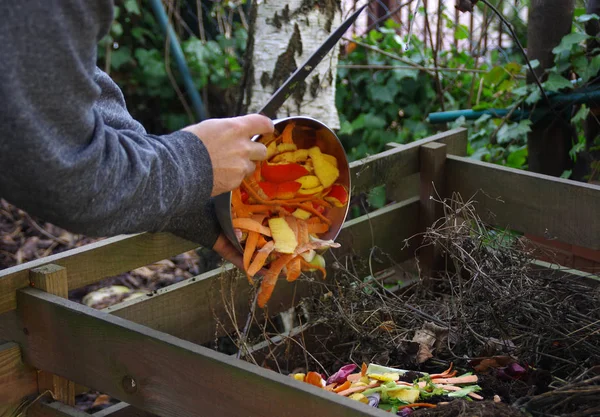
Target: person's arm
(71, 159)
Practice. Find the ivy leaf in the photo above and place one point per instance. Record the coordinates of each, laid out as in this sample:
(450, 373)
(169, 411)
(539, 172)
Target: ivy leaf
(587, 17)
(534, 97)
(494, 76)
(376, 197)
(461, 32)
(568, 41)
(346, 128)
(580, 65)
(132, 7)
(566, 174)
(120, 57)
(381, 93)
(592, 69)
(517, 159)
(511, 131)
(581, 115)
(556, 82)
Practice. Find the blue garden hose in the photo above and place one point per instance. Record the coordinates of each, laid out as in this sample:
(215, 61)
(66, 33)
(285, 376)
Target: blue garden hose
(584, 96)
(163, 20)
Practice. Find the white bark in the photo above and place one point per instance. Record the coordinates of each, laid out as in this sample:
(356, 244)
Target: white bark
(275, 41)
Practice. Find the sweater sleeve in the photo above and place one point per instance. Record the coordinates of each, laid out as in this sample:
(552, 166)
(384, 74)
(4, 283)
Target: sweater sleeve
(70, 152)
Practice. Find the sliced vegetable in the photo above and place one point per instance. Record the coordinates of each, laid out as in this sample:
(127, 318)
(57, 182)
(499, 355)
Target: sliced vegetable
(326, 172)
(278, 173)
(342, 374)
(283, 235)
(338, 195)
(301, 214)
(309, 181)
(251, 225)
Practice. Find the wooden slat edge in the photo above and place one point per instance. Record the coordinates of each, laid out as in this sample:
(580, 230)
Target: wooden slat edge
(528, 202)
(95, 261)
(172, 377)
(193, 309)
(392, 165)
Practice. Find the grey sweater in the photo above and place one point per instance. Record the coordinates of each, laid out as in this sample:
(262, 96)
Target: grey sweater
(70, 152)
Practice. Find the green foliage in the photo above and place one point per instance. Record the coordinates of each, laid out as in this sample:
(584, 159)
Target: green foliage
(137, 58)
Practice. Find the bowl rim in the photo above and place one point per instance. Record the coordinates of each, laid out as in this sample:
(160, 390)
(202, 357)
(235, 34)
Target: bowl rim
(223, 201)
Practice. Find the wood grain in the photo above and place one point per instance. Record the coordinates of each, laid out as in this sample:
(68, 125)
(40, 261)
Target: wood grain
(391, 166)
(433, 182)
(54, 409)
(90, 263)
(17, 380)
(53, 280)
(172, 377)
(527, 202)
(197, 309)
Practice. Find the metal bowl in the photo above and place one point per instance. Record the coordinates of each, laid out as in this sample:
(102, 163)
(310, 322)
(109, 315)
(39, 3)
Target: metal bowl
(317, 133)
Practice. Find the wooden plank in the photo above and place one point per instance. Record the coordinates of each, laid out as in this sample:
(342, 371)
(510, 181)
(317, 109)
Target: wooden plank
(116, 255)
(527, 202)
(160, 373)
(90, 263)
(17, 380)
(193, 309)
(43, 408)
(53, 280)
(433, 163)
(394, 164)
(122, 410)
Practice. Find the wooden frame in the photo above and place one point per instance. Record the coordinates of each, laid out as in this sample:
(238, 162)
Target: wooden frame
(53, 343)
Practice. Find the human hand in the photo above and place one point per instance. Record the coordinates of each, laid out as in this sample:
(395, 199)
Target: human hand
(231, 151)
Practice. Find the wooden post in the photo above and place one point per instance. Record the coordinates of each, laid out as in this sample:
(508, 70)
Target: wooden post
(433, 162)
(53, 279)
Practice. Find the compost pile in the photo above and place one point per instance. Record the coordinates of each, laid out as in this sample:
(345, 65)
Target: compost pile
(532, 336)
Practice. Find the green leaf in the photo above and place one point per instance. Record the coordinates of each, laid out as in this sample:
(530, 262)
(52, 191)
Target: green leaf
(581, 115)
(512, 131)
(376, 197)
(556, 82)
(580, 65)
(568, 41)
(461, 32)
(494, 76)
(566, 174)
(120, 57)
(465, 391)
(381, 93)
(535, 63)
(587, 17)
(517, 158)
(116, 29)
(592, 69)
(346, 128)
(132, 7)
(534, 97)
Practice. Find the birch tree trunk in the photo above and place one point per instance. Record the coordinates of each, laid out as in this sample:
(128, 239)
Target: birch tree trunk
(282, 35)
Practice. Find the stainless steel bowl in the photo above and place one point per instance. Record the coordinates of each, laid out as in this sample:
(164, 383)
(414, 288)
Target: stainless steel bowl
(318, 133)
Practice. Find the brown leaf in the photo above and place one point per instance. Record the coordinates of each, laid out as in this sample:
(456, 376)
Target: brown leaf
(102, 399)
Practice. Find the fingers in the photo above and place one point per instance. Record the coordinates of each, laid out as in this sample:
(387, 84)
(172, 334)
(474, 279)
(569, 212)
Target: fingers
(257, 152)
(255, 124)
(250, 167)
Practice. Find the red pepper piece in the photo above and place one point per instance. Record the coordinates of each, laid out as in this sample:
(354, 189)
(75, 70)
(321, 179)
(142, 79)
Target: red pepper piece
(318, 207)
(245, 196)
(287, 190)
(269, 189)
(338, 196)
(282, 173)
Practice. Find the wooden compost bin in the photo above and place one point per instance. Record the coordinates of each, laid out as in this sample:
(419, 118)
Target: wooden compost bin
(147, 352)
